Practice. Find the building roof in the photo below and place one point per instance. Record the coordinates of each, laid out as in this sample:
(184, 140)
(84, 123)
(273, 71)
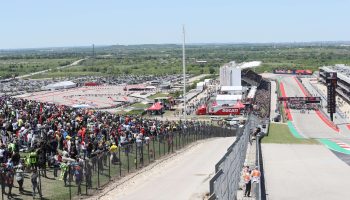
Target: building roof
(231, 88)
(60, 84)
(251, 93)
(200, 83)
(228, 97)
(155, 106)
(343, 71)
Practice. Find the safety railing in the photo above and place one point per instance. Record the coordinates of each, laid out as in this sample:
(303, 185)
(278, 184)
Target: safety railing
(225, 183)
(90, 173)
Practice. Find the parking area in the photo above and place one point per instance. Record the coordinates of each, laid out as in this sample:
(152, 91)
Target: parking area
(95, 97)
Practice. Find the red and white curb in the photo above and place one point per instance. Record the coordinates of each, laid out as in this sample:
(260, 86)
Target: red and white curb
(341, 144)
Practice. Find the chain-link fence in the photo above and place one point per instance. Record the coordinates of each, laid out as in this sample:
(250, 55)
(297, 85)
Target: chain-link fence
(87, 175)
(225, 183)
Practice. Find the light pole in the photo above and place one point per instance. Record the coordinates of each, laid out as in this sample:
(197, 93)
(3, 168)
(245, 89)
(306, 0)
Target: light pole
(184, 71)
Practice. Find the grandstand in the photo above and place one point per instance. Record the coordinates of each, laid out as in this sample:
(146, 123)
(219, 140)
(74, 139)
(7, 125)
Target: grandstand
(343, 73)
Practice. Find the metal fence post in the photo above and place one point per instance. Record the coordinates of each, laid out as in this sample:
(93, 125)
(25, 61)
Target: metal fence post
(86, 178)
(172, 143)
(2, 185)
(154, 150)
(176, 135)
(148, 152)
(109, 166)
(136, 152)
(70, 181)
(98, 172)
(120, 163)
(159, 146)
(164, 143)
(127, 155)
(40, 190)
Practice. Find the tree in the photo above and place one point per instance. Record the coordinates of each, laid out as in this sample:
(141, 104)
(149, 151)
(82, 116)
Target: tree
(211, 70)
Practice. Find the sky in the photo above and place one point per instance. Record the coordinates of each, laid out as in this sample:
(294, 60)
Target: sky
(57, 23)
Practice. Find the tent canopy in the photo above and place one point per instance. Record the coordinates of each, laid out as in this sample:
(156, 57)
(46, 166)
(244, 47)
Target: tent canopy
(239, 104)
(156, 106)
(202, 110)
(81, 106)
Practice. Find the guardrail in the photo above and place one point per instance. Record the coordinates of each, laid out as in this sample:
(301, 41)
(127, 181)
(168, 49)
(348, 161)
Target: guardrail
(225, 183)
(87, 175)
(260, 190)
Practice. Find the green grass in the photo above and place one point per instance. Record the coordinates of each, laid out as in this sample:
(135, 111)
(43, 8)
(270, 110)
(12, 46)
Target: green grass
(9, 67)
(280, 134)
(136, 112)
(158, 95)
(140, 105)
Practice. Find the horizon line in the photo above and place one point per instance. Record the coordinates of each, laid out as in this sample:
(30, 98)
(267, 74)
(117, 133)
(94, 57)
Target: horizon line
(196, 43)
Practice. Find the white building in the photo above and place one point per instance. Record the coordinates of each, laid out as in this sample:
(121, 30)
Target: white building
(207, 81)
(228, 99)
(232, 90)
(200, 86)
(230, 75)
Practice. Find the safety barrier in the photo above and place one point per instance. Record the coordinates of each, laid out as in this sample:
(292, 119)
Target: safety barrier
(225, 183)
(90, 173)
(260, 190)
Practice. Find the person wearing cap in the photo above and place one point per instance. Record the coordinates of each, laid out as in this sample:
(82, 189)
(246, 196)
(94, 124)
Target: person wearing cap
(113, 150)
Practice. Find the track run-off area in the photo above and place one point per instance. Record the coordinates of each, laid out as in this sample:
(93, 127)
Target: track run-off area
(307, 171)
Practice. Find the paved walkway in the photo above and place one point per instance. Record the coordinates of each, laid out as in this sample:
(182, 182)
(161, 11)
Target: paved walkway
(185, 176)
(250, 161)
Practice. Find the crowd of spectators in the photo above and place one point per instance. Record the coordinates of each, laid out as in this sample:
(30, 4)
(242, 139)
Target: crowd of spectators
(61, 136)
(251, 75)
(263, 99)
(263, 94)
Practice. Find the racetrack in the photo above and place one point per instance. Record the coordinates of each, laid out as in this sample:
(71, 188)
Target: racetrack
(310, 124)
(304, 172)
(307, 171)
(185, 176)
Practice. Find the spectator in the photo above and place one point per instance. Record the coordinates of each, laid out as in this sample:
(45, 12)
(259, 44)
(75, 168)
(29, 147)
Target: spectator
(20, 178)
(247, 181)
(35, 182)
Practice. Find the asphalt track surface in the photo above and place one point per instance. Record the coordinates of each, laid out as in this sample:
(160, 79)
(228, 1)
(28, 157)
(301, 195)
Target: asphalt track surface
(185, 176)
(309, 124)
(306, 171)
(310, 172)
(312, 124)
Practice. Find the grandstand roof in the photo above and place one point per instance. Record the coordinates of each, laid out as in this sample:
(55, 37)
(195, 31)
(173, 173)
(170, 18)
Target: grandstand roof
(228, 97)
(343, 71)
(251, 92)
